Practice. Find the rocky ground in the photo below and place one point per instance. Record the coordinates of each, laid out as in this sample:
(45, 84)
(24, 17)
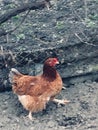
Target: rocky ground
(80, 114)
(69, 30)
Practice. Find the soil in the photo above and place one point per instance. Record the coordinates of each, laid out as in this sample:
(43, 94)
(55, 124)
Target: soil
(80, 114)
(46, 33)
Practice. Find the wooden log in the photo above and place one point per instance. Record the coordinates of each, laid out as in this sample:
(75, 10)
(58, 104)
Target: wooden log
(22, 8)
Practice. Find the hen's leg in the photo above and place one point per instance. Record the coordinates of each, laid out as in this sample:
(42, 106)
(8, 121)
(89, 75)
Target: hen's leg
(30, 116)
(63, 102)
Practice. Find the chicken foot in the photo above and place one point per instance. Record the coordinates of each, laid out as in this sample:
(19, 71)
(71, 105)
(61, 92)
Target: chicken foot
(30, 116)
(62, 102)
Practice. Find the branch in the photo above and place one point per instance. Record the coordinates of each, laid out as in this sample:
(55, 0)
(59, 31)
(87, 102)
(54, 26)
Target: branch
(18, 24)
(22, 8)
(83, 41)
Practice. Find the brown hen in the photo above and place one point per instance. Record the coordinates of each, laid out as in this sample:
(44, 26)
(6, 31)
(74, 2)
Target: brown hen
(34, 92)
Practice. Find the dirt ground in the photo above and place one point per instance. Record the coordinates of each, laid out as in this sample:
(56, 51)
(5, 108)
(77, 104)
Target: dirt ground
(80, 114)
(44, 29)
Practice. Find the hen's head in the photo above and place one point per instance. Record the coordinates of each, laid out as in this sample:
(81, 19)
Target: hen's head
(51, 62)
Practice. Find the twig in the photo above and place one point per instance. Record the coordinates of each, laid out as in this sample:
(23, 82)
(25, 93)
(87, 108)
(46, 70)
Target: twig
(83, 41)
(85, 6)
(8, 32)
(75, 13)
(3, 55)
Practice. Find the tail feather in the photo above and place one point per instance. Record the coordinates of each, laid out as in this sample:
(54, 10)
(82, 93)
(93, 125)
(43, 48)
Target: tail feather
(14, 73)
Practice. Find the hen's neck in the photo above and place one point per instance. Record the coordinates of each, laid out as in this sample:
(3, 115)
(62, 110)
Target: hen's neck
(49, 72)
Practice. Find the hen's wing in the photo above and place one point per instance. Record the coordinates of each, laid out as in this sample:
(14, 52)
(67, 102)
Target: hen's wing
(30, 85)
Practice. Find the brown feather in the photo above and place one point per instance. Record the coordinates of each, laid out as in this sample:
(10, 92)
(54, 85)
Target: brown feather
(35, 91)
